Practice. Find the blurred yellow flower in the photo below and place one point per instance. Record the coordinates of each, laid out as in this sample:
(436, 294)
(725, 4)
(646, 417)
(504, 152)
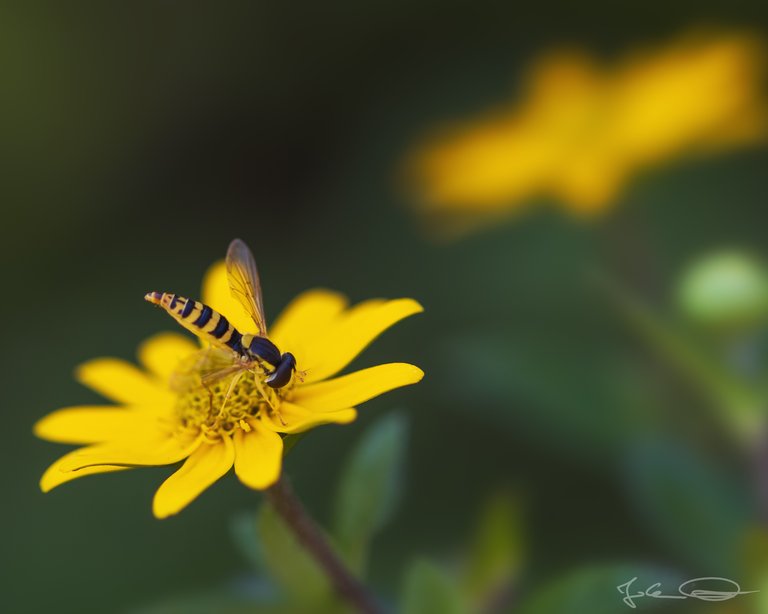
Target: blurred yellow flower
(156, 423)
(582, 130)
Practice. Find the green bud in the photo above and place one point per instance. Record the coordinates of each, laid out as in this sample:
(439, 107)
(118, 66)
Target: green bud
(726, 290)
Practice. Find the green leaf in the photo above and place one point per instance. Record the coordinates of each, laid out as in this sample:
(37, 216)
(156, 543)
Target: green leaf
(496, 551)
(370, 487)
(243, 528)
(596, 590)
(429, 590)
(691, 504)
(288, 563)
(753, 567)
(754, 574)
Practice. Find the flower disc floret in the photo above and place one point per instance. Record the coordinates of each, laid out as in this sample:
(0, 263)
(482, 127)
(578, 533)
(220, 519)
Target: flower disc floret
(220, 408)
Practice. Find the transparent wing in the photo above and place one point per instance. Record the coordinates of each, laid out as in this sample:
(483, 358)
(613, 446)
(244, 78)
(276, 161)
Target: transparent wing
(244, 283)
(204, 368)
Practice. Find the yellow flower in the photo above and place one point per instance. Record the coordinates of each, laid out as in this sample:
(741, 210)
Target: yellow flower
(582, 130)
(158, 422)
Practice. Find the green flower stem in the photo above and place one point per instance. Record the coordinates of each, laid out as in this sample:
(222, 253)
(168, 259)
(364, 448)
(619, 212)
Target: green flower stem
(287, 504)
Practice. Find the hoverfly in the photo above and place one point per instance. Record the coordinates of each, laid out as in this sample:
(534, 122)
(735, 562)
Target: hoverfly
(250, 351)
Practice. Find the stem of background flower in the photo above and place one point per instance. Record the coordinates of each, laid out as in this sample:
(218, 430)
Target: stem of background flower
(287, 504)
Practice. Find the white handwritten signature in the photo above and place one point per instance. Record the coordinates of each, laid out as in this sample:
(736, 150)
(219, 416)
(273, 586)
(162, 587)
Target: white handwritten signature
(685, 591)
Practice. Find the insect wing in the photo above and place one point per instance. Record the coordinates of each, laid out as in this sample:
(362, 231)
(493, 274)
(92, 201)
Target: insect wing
(202, 369)
(244, 283)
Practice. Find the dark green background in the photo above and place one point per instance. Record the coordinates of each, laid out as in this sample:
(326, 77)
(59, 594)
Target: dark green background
(139, 138)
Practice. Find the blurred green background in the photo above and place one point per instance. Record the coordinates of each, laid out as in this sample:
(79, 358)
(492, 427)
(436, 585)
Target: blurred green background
(139, 138)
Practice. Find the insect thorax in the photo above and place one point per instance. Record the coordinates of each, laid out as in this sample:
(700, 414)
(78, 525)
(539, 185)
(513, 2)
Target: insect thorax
(261, 348)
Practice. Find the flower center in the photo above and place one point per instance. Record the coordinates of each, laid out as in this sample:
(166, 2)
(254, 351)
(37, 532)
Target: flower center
(221, 405)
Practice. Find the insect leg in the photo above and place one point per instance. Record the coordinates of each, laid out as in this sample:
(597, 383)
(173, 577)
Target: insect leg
(232, 385)
(260, 388)
(266, 395)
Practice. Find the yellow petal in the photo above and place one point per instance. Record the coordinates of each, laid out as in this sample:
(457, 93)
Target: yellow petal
(55, 475)
(122, 382)
(93, 424)
(357, 387)
(162, 353)
(258, 456)
(203, 467)
(306, 318)
(349, 335)
(217, 295)
(295, 419)
(148, 449)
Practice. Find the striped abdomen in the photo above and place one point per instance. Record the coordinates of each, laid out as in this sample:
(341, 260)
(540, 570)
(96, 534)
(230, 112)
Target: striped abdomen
(203, 321)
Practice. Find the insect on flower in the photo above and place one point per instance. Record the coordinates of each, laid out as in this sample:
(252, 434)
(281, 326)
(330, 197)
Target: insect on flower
(227, 401)
(248, 352)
